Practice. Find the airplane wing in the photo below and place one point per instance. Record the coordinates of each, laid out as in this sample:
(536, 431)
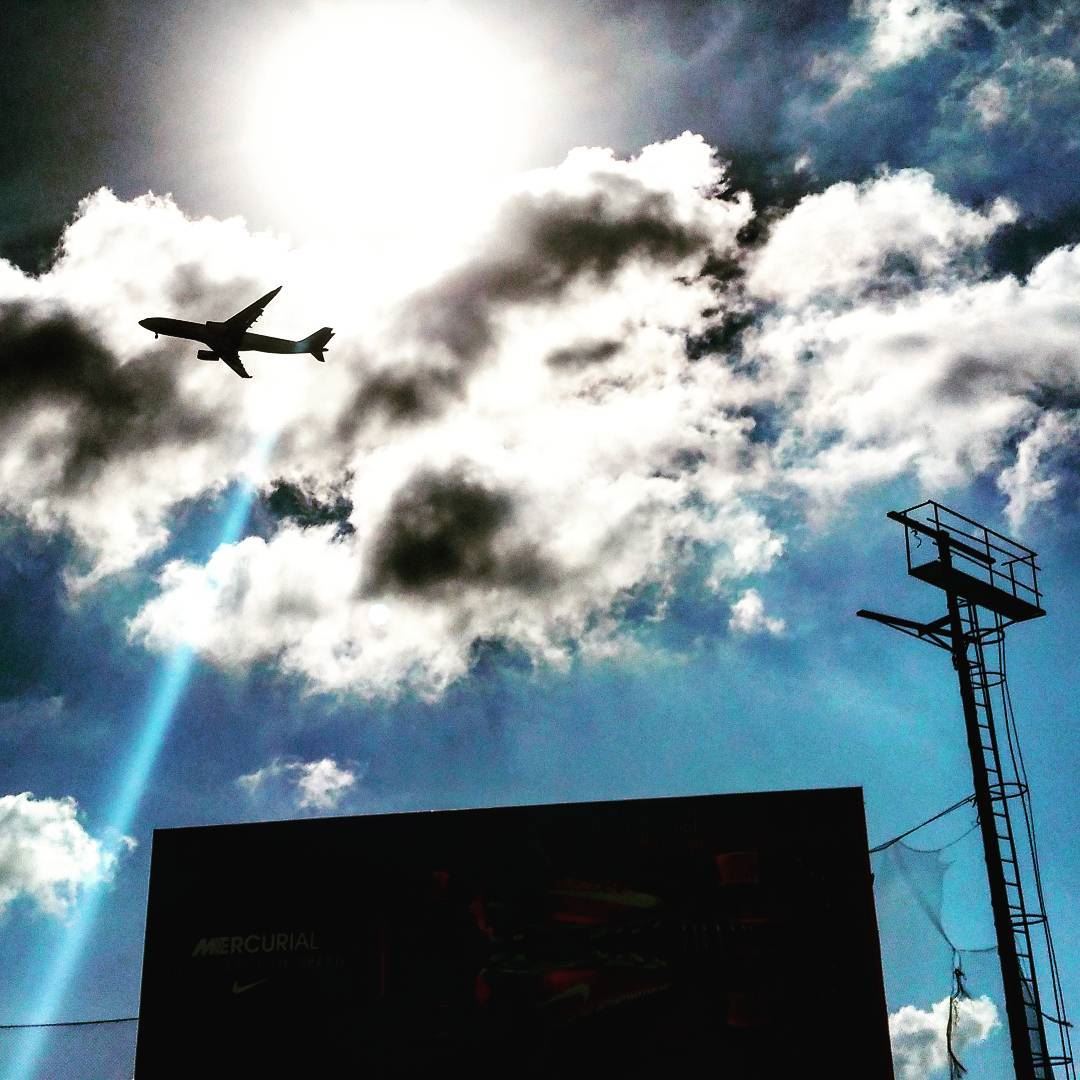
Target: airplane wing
(232, 358)
(240, 322)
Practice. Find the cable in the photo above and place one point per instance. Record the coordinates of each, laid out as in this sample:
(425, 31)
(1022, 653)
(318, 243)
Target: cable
(69, 1023)
(1020, 770)
(928, 821)
(944, 847)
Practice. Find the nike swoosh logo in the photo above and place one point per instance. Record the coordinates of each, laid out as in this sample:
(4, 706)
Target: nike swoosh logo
(238, 989)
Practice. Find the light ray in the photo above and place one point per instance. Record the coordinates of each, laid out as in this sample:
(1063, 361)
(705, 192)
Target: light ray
(169, 686)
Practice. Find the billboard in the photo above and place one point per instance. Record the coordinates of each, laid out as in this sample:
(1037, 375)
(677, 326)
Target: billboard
(727, 934)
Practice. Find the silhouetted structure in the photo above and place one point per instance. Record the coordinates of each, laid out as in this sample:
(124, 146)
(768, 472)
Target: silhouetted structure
(979, 568)
(724, 935)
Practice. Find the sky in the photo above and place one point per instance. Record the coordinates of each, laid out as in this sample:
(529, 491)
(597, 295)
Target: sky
(645, 315)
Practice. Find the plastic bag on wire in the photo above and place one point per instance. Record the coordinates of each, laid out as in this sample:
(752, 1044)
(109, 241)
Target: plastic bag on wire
(942, 975)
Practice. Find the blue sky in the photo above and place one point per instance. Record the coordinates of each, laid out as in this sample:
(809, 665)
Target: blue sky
(595, 476)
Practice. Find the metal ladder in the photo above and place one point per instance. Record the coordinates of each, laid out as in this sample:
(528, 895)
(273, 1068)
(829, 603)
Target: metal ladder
(1003, 789)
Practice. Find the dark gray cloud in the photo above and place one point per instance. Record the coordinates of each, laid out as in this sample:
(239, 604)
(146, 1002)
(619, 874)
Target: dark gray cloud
(1050, 383)
(540, 246)
(444, 529)
(401, 398)
(290, 502)
(192, 288)
(968, 378)
(113, 411)
(722, 338)
(584, 355)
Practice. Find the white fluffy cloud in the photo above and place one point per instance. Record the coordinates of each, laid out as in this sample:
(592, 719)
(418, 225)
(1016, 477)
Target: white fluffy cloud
(918, 1036)
(904, 30)
(1029, 481)
(931, 370)
(312, 785)
(561, 454)
(46, 854)
(322, 784)
(526, 442)
(102, 433)
(748, 616)
(832, 247)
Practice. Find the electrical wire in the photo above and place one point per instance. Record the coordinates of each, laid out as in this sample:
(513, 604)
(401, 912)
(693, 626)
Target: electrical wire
(1020, 770)
(69, 1023)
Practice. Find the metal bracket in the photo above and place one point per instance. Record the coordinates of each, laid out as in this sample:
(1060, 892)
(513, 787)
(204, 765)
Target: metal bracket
(932, 632)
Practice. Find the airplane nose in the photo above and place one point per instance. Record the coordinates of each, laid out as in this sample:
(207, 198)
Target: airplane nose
(143, 322)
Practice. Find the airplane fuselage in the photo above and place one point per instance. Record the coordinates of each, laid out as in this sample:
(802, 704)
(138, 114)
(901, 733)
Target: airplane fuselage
(216, 337)
(226, 340)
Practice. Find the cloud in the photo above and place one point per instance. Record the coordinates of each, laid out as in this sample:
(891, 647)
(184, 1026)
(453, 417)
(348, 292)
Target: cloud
(1023, 86)
(540, 495)
(444, 529)
(1015, 107)
(75, 425)
(112, 411)
(748, 616)
(533, 445)
(101, 435)
(989, 101)
(918, 1036)
(547, 241)
(47, 855)
(311, 785)
(900, 31)
(322, 784)
(852, 240)
(1028, 481)
(110, 432)
(974, 98)
(290, 502)
(584, 354)
(572, 231)
(934, 375)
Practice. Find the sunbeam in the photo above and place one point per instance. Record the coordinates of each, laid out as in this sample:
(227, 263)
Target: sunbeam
(132, 780)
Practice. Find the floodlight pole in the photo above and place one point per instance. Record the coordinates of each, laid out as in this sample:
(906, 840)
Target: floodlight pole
(1016, 1009)
(996, 586)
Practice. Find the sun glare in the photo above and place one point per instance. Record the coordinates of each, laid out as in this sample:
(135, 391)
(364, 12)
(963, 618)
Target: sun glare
(377, 116)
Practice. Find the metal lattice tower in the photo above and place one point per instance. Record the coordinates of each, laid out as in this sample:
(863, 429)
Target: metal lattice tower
(991, 582)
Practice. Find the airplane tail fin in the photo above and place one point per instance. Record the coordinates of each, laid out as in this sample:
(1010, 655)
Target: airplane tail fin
(316, 343)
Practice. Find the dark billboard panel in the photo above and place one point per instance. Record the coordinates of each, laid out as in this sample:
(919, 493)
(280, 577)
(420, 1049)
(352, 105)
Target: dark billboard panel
(731, 935)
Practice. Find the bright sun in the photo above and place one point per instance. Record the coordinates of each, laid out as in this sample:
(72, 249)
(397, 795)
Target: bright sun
(364, 114)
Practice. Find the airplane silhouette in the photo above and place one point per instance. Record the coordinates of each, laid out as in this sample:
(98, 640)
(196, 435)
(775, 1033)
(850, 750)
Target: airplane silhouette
(226, 340)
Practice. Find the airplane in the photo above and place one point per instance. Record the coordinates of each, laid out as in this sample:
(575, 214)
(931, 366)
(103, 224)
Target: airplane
(226, 340)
